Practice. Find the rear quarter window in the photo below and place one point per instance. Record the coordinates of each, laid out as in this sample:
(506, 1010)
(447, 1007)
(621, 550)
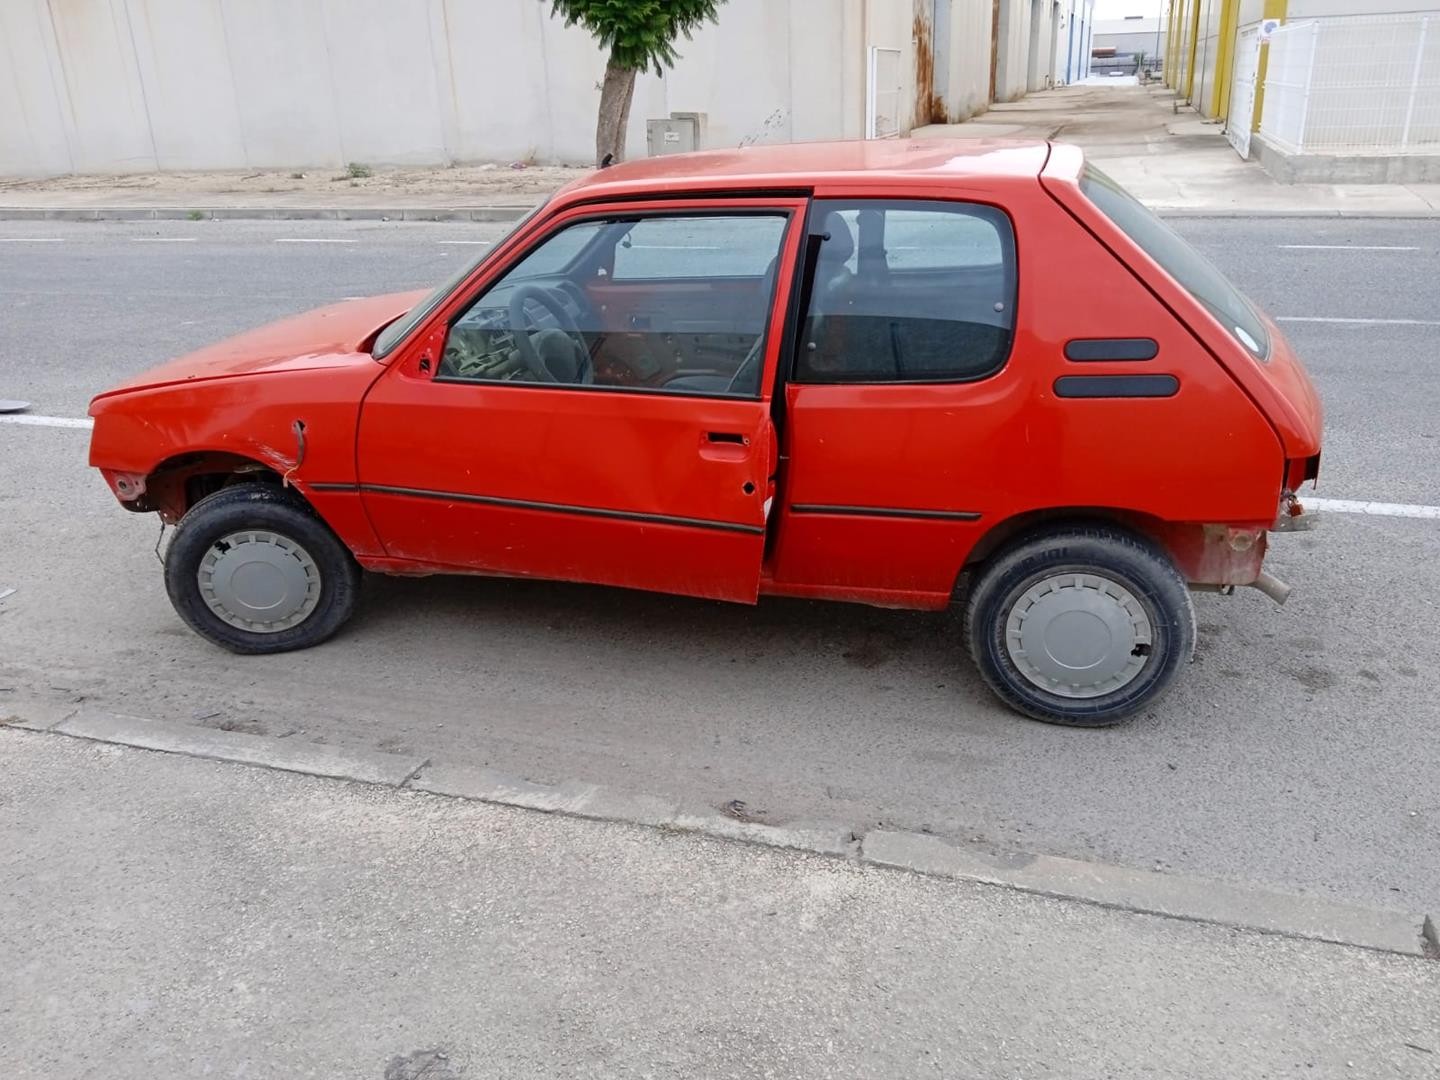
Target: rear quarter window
(907, 291)
(1196, 274)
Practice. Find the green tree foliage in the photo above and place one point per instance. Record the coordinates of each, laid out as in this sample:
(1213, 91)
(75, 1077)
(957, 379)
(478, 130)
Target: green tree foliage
(640, 36)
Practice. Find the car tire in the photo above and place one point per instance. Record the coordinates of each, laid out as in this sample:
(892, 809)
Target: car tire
(253, 569)
(1081, 626)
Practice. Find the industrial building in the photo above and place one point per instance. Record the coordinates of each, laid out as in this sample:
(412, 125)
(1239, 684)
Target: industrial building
(1333, 90)
(146, 85)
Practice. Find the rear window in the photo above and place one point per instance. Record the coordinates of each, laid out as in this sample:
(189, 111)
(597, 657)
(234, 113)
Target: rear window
(1193, 271)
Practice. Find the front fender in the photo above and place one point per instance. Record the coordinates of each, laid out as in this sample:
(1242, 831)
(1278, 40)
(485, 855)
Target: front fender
(234, 424)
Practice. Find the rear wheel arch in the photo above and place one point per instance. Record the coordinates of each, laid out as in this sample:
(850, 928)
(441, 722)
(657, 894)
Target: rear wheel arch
(1022, 527)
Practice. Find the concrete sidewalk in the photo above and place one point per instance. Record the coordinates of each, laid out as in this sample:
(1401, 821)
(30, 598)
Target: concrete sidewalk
(1171, 159)
(167, 916)
(472, 192)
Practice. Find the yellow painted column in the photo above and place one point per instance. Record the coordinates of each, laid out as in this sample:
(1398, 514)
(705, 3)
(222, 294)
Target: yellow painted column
(1172, 44)
(1274, 9)
(1191, 47)
(1224, 57)
(1178, 11)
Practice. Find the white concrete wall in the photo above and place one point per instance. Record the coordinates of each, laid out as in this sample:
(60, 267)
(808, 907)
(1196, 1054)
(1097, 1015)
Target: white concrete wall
(136, 85)
(968, 59)
(1083, 42)
(1207, 51)
(1072, 49)
(1013, 50)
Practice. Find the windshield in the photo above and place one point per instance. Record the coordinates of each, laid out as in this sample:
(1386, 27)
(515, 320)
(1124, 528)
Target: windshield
(1193, 271)
(396, 332)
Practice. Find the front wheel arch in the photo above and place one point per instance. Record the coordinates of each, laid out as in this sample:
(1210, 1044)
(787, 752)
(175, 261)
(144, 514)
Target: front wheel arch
(174, 486)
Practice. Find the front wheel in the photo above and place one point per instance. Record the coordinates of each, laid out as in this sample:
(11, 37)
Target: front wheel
(1081, 626)
(254, 570)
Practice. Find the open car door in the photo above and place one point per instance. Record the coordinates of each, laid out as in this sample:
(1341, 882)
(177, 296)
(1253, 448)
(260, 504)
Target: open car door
(594, 403)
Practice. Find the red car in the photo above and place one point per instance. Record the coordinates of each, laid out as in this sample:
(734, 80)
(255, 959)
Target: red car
(889, 373)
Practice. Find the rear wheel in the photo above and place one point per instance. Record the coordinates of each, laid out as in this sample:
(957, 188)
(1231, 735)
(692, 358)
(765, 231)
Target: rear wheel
(1081, 626)
(254, 570)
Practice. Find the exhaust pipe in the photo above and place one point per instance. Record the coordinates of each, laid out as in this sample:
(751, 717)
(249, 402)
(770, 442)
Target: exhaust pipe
(1272, 587)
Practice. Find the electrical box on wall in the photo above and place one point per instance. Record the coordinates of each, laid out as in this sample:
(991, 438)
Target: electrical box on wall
(678, 134)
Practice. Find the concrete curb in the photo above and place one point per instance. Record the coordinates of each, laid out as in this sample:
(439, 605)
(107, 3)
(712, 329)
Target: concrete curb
(266, 213)
(392, 770)
(1152, 893)
(1116, 887)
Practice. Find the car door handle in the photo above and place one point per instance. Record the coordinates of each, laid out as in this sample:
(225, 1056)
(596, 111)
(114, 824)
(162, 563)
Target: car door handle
(725, 446)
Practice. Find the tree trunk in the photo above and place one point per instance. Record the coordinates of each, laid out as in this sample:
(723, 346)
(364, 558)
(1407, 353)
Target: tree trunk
(615, 98)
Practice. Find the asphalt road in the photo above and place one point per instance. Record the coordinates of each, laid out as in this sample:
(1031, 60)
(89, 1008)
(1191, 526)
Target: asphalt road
(1300, 751)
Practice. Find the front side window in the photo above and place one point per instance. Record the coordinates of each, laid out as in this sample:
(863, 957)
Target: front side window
(907, 291)
(673, 303)
(1195, 273)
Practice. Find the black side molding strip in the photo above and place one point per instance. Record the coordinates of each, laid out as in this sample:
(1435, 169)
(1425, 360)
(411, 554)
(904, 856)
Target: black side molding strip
(1117, 386)
(1086, 350)
(327, 485)
(884, 512)
(562, 508)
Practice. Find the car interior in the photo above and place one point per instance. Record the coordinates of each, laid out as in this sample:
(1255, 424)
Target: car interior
(626, 314)
(892, 302)
(680, 304)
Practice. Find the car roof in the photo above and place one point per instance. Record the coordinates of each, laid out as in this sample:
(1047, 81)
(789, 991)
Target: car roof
(917, 163)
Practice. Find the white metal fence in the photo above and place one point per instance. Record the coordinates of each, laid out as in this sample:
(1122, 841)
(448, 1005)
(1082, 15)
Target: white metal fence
(1360, 85)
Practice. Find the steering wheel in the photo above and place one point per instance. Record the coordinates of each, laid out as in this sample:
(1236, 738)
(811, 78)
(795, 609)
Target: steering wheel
(525, 333)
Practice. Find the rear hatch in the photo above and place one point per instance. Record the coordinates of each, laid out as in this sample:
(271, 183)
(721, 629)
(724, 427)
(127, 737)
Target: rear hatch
(1240, 337)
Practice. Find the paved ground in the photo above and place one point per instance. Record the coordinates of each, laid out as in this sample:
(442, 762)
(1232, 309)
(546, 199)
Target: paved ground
(1168, 156)
(1300, 752)
(1172, 158)
(162, 916)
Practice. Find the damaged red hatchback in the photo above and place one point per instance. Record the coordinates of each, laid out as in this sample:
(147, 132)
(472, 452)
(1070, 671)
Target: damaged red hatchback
(891, 373)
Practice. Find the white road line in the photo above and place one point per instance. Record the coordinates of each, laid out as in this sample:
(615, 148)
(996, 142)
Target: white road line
(1334, 506)
(1345, 247)
(49, 421)
(1355, 322)
(32, 239)
(162, 239)
(313, 240)
(1373, 509)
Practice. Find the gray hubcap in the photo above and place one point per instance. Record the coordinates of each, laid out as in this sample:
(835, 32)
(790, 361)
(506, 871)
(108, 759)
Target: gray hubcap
(259, 581)
(1078, 635)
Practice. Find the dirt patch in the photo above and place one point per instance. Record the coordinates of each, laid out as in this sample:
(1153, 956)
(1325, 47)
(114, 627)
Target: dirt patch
(480, 183)
(1313, 679)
